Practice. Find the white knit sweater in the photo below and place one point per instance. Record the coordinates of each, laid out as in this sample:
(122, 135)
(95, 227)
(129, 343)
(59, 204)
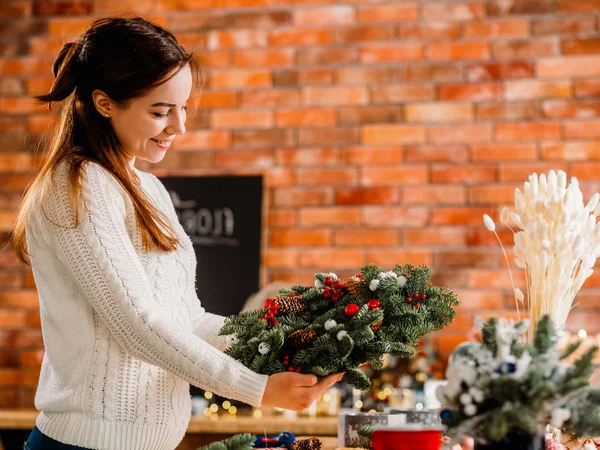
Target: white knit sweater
(124, 331)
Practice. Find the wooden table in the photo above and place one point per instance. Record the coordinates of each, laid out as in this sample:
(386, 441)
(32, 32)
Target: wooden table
(202, 430)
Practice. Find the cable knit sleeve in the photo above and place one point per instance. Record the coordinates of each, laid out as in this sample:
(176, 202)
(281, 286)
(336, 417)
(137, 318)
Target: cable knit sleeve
(206, 325)
(99, 254)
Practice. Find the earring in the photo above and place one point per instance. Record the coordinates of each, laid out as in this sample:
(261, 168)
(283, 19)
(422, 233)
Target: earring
(106, 115)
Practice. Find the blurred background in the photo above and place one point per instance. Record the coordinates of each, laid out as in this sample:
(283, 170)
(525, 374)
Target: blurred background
(383, 131)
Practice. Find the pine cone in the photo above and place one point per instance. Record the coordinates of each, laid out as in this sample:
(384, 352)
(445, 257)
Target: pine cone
(301, 338)
(307, 444)
(353, 286)
(290, 304)
(376, 326)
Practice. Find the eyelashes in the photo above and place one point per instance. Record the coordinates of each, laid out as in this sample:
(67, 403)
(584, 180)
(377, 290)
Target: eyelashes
(162, 116)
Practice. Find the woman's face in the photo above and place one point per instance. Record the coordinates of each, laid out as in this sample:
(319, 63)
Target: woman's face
(147, 127)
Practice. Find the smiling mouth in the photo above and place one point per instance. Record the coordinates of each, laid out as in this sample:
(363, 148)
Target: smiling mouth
(162, 143)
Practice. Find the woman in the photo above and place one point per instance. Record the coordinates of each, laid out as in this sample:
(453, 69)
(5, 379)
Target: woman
(124, 332)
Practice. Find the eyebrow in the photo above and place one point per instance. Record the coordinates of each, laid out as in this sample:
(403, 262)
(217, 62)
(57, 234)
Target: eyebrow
(170, 105)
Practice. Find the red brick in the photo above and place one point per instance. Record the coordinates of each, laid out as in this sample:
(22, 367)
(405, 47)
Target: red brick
(438, 236)
(571, 109)
(190, 162)
(483, 237)
(280, 258)
(462, 174)
(15, 182)
(16, 9)
(492, 194)
(282, 218)
(364, 156)
(507, 111)
(433, 195)
(536, 89)
(303, 196)
(565, 67)
(37, 86)
(584, 46)
(41, 124)
(499, 70)
(396, 93)
(366, 238)
(241, 3)
(231, 39)
(45, 46)
(240, 78)
(475, 92)
(527, 131)
(585, 171)
(12, 86)
(16, 162)
(393, 134)
(12, 280)
(262, 139)
(289, 77)
(10, 318)
(386, 53)
(364, 34)
(525, 48)
(439, 112)
(504, 7)
(466, 258)
(300, 37)
(20, 339)
(264, 58)
(434, 31)
(453, 11)
(213, 99)
(462, 50)
(388, 13)
(434, 72)
(271, 98)
(248, 158)
(573, 150)
(393, 176)
(328, 137)
(496, 29)
(430, 153)
(520, 172)
(335, 96)
(331, 15)
(582, 6)
(32, 359)
(395, 216)
(587, 88)
(563, 25)
(12, 125)
(329, 216)
(366, 196)
(368, 75)
(504, 152)
(193, 140)
(10, 377)
(458, 216)
(317, 157)
(305, 117)
(390, 257)
(459, 133)
(326, 56)
(67, 27)
(332, 258)
(20, 105)
(326, 176)
(192, 42)
(583, 320)
(300, 238)
(242, 119)
(359, 115)
(581, 129)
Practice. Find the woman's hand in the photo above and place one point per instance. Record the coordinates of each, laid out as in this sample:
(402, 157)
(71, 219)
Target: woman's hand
(296, 391)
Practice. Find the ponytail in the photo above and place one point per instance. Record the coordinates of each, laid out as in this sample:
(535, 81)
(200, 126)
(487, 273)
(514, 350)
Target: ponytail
(65, 74)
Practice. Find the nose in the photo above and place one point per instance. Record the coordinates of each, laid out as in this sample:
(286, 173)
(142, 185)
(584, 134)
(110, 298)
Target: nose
(177, 123)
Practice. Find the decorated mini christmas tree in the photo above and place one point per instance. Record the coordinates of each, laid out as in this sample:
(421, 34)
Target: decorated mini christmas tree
(335, 327)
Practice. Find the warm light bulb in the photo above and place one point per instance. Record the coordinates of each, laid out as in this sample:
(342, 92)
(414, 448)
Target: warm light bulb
(233, 410)
(258, 413)
(214, 407)
(359, 404)
(226, 404)
(208, 395)
(582, 334)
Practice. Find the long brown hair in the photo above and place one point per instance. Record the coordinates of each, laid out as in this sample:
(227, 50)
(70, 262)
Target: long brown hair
(125, 58)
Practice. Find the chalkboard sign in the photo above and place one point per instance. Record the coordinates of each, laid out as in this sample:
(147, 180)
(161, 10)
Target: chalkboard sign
(223, 217)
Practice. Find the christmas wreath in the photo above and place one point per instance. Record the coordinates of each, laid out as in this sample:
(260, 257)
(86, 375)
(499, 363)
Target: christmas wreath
(337, 326)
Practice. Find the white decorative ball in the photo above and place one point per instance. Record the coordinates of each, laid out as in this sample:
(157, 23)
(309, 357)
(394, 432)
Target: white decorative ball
(264, 348)
(330, 324)
(373, 285)
(402, 281)
(477, 394)
(465, 399)
(231, 339)
(341, 335)
(470, 409)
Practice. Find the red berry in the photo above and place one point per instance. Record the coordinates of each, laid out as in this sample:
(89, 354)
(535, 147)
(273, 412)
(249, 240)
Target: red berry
(269, 316)
(417, 305)
(359, 276)
(408, 300)
(326, 293)
(275, 322)
(292, 293)
(405, 275)
(423, 296)
(290, 369)
(374, 304)
(268, 302)
(351, 309)
(415, 295)
(336, 296)
(286, 362)
(338, 284)
(328, 281)
(298, 369)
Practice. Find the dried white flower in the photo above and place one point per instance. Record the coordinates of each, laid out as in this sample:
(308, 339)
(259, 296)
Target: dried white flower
(373, 285)
(341, 335)
(402, 281)
(505, 215)
(489, 223)
(465, 399)
(231, 339)
(519, 295)
(264, 348)
(329, 324)
(476, 394)
(470, 409)
(388, 274)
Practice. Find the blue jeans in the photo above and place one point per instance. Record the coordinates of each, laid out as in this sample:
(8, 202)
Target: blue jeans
(39, 441)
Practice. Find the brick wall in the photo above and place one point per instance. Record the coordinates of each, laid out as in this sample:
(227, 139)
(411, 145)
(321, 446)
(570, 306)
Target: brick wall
(385, 129)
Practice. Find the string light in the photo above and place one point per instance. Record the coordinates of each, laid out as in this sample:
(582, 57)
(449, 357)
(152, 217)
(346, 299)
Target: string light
(257, 413)
(582, 334)
(208, 395)
(214, 407)
(226, 404)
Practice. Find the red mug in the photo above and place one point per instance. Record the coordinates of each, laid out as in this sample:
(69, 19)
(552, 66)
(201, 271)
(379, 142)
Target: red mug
(389, 439)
